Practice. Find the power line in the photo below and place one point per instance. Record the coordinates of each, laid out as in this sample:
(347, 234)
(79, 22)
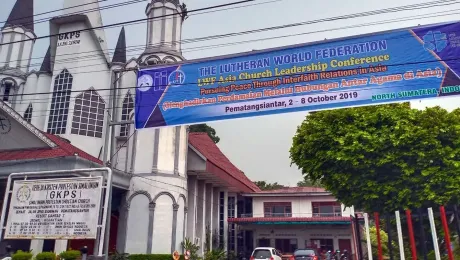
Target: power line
(192, 49)
(268, 77)
(353, 15)
(96, 9)
(52, 11)
(133, 21)
(142, 46)
(198, 48)
(306, 94)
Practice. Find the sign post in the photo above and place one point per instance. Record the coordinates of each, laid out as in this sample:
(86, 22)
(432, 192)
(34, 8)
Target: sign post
(59, 208)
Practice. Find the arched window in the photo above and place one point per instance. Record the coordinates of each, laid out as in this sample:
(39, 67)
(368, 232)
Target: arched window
(28, 113)
(88, 115)
(127, 108)
(59, 111)
(6, 91)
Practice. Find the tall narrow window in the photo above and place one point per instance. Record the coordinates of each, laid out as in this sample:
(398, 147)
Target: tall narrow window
(127, 108)
(59, 111)
(88, 115)
(28, 113)
(7, 91)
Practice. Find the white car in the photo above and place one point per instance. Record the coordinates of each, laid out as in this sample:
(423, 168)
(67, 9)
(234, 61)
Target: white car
(268, 253)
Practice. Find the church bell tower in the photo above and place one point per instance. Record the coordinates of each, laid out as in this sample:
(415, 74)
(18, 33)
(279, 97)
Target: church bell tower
(164, 31)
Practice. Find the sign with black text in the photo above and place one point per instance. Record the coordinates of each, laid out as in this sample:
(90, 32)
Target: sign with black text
(54, 209)
(68, 39)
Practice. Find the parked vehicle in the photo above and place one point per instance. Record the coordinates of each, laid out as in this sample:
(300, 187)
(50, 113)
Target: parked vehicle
(345, 255)
(305, 254)
(265, 253)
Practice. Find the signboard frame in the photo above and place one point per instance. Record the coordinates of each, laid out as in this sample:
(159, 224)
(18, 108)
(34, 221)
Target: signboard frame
(105, 173)
(27, 183)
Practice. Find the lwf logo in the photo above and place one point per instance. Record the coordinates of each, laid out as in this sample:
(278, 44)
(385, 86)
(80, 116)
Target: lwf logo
(177, 78)
(435, 41)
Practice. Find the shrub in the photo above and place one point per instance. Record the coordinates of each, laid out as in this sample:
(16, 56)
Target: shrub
(119, 256)
(152, 257)
(21, 255)
(46, 256)
(70, 255)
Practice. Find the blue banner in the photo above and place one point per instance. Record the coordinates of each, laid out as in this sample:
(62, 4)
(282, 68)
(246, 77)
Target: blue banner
(394, 66)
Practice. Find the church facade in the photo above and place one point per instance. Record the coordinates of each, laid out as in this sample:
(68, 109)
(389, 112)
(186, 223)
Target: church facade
(170, 186)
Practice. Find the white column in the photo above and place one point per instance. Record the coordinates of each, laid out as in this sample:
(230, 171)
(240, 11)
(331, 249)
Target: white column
(36, 245)
(236, 225)
(225, 220)
(215, 211)
(60, 246)
(192, 203)
(201, 211)
(208, 214)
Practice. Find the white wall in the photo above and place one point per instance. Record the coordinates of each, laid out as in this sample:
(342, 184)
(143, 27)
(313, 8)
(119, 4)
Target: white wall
(138, 220)
(162, 225)
(89, 69)
(301, 205)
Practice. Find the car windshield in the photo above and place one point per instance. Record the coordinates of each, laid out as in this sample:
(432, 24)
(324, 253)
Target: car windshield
(262, 254)
(307, 252)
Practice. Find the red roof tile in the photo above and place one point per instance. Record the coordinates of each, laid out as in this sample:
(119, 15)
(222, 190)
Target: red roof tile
(290, 219)
(294, 190)
(63, 149)
(204, 144)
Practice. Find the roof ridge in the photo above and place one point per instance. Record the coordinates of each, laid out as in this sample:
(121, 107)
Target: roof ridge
(198, 133)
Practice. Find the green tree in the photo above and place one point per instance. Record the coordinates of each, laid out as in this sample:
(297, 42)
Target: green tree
(384, 243)
(263, 185)
(204, 128)
(382, 158)
(307, 183)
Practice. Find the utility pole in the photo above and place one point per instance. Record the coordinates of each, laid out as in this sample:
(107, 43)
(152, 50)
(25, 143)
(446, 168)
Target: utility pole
(109, 139)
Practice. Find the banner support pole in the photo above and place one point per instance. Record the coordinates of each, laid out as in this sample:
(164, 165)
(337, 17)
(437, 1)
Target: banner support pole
(446, 233)
(379, 240)
(368, 236)
(411, 235)
(433, 234)
(400, 236)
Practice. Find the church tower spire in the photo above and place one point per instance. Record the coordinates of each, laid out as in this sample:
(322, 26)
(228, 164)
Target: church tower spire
(164, 33)
(120, 51)
(22, 14)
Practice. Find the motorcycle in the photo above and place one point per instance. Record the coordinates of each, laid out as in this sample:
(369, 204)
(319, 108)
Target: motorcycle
(336, 255)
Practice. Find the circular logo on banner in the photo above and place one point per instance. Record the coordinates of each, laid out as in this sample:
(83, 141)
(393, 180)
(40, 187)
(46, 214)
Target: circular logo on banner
(176, 77)
(5, 125)
(144, 83)
(23, 193)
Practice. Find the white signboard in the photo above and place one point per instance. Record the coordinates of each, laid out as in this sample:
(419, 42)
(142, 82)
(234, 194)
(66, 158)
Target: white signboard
(54, 209)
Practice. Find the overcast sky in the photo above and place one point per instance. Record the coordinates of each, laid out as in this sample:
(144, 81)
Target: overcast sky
(259, 146)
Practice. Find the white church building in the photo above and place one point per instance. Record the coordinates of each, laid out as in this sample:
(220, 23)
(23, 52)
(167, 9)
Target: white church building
(169, 184)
